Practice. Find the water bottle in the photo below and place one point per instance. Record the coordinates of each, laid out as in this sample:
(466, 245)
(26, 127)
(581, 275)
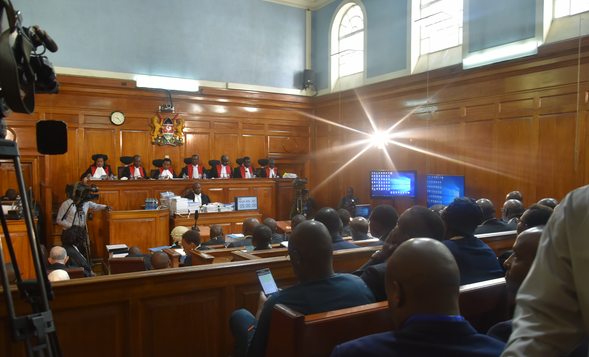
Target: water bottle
(19, 205)
(204, 175)
(151, 204)
(147, 203)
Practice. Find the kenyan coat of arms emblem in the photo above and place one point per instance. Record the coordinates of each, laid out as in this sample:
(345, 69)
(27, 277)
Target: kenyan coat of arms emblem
(167, 131)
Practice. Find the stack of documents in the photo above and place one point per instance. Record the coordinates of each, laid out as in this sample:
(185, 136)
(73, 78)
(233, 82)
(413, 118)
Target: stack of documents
(118, 250)
(165, 198)
(230, 238)
(193, 207)
(179, 205)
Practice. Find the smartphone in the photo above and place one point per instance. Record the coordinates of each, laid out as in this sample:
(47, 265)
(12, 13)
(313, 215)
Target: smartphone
(267, 281)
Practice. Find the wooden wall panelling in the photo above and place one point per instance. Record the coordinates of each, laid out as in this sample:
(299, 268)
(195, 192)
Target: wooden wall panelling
(480, 169)
(225, 144)
(288, 145)
(175, 153)
(65, 169)
(216, 194)
(135, 142)
(445, 140)
(254, 147)
(8, 176)
(100, 141)
(22, 248)
(198, 144)
(266, 201)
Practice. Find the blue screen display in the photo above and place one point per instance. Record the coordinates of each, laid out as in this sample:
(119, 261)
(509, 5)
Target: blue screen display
(392, 183)
(442, 189)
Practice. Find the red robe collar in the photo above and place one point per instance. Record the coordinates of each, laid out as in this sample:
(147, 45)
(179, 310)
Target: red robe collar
(105, 168)
(268, 172)
(242, 169)
(191, 167)
(227, 170)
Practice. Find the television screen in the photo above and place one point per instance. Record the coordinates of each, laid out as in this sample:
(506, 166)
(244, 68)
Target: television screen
(384, 184)
(442, 189)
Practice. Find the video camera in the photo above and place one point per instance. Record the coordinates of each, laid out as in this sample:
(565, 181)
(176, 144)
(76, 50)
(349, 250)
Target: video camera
(81, 193)
(299, 183)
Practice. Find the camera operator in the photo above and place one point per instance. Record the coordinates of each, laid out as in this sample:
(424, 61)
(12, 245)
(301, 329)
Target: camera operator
(309, 206)
(67, 215)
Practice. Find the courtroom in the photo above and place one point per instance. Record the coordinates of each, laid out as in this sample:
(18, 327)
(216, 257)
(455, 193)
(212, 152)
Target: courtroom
(294, 178)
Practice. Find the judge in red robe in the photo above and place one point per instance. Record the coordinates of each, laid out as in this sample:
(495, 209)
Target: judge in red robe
(99, 169)
(246, 170)
(195, 170)
(166, 171)
(223, 170)
(271, 171)
(135, 171)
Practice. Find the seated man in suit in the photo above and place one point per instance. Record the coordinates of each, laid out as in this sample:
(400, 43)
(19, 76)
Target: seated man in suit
(10, 195)
(165, 172)
(349, 202)
(318, 289)
(490, 223)
(382, 220)
(415, 222)
(329, 217)
(475, 259)
(223, 170)
(423, 287)
(261, 237)
(512, 210)
(160, 260)
(197, 195)
(359, 228)
(344, 216)
(246, 170)
(195, 170)
(135, 252)
(536, 215)
(248, 230)
(271, 171)
(135, 171)
(71, 238)
(191, 241)
(57, 258)
(271, 223)
(99, 169)
(295, 221)
(216, 236)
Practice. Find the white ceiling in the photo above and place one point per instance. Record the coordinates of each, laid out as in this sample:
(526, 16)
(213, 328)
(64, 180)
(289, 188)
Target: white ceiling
(305, 4)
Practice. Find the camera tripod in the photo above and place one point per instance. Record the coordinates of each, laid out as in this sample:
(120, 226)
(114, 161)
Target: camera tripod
(38, 326)
(81, 216)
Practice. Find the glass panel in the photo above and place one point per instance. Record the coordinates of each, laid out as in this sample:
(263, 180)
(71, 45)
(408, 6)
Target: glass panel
(441, 24)
(352, 54)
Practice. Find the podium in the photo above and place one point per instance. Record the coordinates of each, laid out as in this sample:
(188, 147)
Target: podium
(142, 228)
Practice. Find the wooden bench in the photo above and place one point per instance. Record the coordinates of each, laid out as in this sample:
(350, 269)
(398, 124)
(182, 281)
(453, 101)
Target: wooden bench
(175, 257)
(365, 243)
(292, 334)
(499, 241)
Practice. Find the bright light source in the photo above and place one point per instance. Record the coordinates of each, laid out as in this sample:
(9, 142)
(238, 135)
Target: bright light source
(187, 85)
(500, 53)
(380, 139)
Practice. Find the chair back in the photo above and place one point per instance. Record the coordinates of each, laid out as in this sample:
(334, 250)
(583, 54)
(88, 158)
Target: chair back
(188, 160)
(239, 161)
(120, 170)
(213, 163)
(263, 162)
(75, 273)
(127, 160)
(158, 162)
(126, 265)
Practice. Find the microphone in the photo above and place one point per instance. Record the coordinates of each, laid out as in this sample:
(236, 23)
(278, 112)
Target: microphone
(195, 227)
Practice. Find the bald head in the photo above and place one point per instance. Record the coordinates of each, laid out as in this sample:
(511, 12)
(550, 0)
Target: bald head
(134, 250)
(216, 231)
(160, 260)
(296, 220)
(515, 195)
(344, 216)
(262, 236)
(422, 279)
(519, 263)
(358, 227)
(248, 226)
(270, 223)
(57, 255)
(488, 209)
(330, 218)
(311, 251)
(512, 208)
(548, 202)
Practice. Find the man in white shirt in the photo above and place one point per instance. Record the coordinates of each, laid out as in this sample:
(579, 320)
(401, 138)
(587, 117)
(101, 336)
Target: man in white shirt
(67, 217)
(197, 195)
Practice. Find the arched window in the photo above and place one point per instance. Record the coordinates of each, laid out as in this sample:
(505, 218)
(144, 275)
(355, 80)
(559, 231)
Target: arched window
(347, 41)
(440, 24)
(564, 8)
(351, 42)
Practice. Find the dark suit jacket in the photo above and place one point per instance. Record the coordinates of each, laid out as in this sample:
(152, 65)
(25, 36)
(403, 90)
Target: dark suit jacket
(127, 172)
(106, 168)
(491, 226)
(263, 248)
(424, 338)
(339, 243)
(215, 241)
(265, 174)
(241, 243)
(237, 172)
(374, 277)
(276, 238)
(205, 199)
(77, 260)
(348, 205)
(146, 259)
(362, 237)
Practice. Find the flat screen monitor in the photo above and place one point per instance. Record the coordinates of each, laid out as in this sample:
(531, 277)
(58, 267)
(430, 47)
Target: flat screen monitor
(443, 189)
(362, 211)
(386, 184)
